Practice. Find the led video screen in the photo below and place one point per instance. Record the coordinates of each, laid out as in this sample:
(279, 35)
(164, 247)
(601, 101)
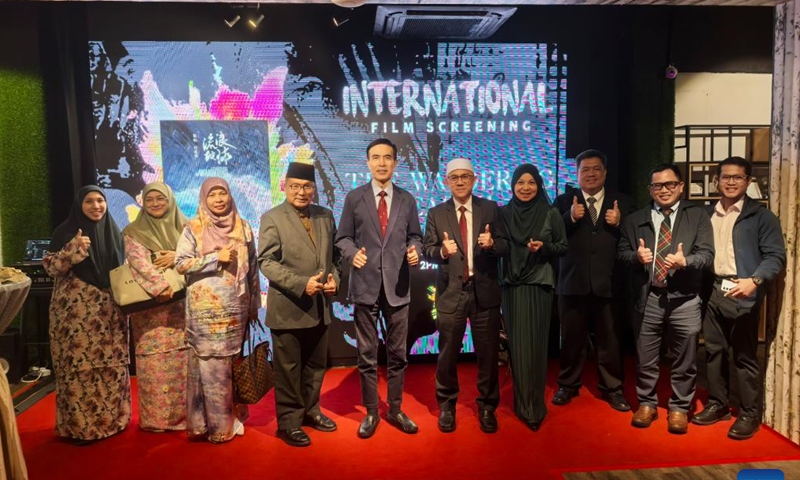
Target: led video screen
(183, 111)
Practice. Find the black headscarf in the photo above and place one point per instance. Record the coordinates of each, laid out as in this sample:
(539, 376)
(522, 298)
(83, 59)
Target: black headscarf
(524, 220)
(106, 251)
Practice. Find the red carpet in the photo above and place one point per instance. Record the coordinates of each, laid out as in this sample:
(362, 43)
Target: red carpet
(585, 435)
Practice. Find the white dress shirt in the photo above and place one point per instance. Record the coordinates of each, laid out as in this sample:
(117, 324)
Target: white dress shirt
(722, 222)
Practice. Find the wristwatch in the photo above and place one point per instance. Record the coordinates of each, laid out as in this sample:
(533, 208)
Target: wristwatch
(757, 280)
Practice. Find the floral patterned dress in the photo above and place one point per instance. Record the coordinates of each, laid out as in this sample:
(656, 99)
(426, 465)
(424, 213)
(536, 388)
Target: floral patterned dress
(89, 346)
(160, 344)
(216, 317)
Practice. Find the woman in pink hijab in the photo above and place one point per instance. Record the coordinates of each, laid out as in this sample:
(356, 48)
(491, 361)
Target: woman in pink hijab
(218, 256)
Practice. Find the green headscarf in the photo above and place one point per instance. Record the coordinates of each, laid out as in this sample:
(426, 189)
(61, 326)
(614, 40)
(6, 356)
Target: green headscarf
(158, 233)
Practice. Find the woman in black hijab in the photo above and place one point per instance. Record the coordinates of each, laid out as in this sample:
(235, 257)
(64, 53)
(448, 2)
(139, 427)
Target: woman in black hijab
(88, 334)
(537, 236)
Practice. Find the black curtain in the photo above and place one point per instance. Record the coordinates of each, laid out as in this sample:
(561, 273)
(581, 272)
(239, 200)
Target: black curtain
(65, 72)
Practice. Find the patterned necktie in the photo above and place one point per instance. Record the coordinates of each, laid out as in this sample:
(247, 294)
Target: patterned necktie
(383, 213)
(306, 221)
(663, 248)
(592, 210)
(462, 222)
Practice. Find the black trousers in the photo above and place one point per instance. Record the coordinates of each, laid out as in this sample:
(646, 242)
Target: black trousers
(485, 326)
(299, 360)
(726, 326)
(577, 314)
(366, 319)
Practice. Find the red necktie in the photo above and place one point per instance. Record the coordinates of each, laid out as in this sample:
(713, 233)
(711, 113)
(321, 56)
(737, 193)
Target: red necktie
(462, 222)
(383, 214)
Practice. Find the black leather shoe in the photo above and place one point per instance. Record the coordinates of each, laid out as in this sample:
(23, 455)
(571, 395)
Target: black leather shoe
(320, 422)
(713, 413)
(368, 425)
(744, 427)
(488, 421)
(564, 395)
(535, 426)
(401, 421)
(617, 402)
(447, 420)
(294, 437)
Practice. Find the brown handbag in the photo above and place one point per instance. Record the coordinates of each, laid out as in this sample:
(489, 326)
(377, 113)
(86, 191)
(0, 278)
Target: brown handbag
(253, 376)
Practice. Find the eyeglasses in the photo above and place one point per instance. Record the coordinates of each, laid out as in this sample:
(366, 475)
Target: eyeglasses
(461, 178)
(732, 178)
(153, 201)
(656, 187)
(295, 187)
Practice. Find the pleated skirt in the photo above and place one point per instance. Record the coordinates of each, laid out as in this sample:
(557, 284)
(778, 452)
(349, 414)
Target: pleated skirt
(527, 310)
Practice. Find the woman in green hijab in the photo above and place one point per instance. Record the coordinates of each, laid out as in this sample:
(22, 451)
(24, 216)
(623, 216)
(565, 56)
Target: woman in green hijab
(536, 238)
(159, 332)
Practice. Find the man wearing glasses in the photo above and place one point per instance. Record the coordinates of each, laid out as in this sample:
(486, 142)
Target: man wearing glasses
(465, 237)
(380, 237)
(749, 253)
(297, 255)
(668, 244)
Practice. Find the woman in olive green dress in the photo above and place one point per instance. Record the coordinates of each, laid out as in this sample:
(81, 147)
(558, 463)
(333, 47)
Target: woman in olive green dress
(537, 237)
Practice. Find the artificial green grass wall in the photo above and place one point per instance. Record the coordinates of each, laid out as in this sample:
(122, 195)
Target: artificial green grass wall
(24, 179)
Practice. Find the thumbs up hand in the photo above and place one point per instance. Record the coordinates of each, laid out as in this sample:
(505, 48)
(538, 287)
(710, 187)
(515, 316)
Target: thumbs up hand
(675, 261)
(83, 243)
(644, 253)
(330, 286)
(449, 247)
(485, 240)
(578, 210)
(613, 215)
(412, 256)
(314, 286)
(361, 258)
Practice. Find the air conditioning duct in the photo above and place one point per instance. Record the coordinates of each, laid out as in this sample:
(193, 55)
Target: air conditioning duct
(442, 22)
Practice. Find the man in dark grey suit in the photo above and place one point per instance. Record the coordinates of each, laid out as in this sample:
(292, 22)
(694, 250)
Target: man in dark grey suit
(297, 255)
(668, 244)
(465, 237)
(380, 236)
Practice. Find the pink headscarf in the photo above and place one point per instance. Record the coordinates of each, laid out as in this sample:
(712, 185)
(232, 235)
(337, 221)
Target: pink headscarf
(226, 231)
(218, 231)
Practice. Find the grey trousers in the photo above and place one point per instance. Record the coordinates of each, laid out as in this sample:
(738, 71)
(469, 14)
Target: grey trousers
(682, 317)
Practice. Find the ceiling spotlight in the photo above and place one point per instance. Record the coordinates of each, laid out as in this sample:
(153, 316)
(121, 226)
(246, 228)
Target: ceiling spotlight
(233, 21)
(339, 23)
(255, 22)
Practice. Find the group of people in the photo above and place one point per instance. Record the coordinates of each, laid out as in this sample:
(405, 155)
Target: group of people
(490, 260)
(184, 348)
(691, 269)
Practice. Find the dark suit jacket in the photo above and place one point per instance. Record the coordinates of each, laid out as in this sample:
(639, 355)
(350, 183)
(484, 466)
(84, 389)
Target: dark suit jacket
(589, 265)
(444, 218)
(387, 264)
(288, 258)
(692, 228)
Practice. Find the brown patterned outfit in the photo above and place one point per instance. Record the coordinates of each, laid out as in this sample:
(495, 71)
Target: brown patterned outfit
(89, 346)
